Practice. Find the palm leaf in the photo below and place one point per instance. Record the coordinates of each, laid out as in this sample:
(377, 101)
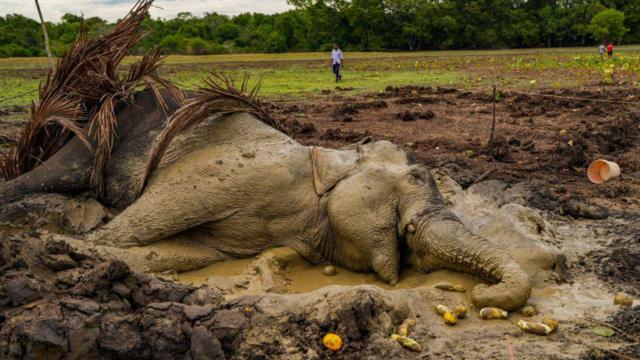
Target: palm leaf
(79, 97)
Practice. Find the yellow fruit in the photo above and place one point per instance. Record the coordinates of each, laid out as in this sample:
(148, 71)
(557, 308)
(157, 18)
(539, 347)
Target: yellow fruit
(552, 323)
(407, 342)
(489, 313)
(450, 318)
(460, 311)
(332, 342)
(534, 327)
(622, 299)
(441, 309)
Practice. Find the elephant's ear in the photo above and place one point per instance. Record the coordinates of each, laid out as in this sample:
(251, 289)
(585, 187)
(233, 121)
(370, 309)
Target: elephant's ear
(330, 166)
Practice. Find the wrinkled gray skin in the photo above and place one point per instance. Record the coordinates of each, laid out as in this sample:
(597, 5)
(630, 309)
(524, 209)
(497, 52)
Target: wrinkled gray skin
(240, 187)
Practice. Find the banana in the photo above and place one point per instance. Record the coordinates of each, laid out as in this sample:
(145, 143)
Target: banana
(407, 342)
(623, 299)
(441, 309)
(552, 323)
(534, 327)
(490, 313)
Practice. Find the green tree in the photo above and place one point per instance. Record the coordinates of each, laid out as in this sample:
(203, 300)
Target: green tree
(227, 31)
(276, 43)
(197, 46)
(608, 25)
(315, 25)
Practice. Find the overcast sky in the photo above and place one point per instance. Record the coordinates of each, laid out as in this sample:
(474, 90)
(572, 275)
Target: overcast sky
(112, 10)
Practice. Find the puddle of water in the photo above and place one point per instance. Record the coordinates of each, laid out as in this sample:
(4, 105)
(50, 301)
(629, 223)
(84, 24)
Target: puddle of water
(227, 268)
(303, 276)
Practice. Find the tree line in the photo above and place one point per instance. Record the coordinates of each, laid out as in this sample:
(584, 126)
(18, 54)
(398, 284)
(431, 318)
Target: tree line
(314, 25)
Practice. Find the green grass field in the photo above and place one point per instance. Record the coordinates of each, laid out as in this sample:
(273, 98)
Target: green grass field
(297, 75)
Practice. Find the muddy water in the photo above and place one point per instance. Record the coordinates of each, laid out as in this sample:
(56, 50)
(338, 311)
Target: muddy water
(302, 276)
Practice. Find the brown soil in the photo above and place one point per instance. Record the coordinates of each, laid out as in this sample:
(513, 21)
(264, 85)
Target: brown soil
(58, 302)
(547, 139)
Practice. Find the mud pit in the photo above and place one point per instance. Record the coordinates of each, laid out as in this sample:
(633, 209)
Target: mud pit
(282, 270)
(529, 194)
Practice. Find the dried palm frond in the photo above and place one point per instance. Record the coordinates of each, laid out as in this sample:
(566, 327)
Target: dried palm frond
(86, 79)
(51, 124)
(69, 92)
(114, 90)
(146, 71)
(220, 96)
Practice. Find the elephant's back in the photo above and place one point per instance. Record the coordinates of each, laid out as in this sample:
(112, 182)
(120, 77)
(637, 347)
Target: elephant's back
(241, 133)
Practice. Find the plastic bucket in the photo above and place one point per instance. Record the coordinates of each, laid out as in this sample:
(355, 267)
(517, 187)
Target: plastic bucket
(602, 170)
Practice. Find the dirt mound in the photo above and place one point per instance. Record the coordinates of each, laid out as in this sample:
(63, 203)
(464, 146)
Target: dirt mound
(413, 90)
(627, 352)
(59, 303)
(619, 263)
(297, 128)
(414, 115)
(623, 264)
(336, 134)
(626, 319)
(604, 138)
(500, 149)
(402, 91)
(355, 107)
(417, 100)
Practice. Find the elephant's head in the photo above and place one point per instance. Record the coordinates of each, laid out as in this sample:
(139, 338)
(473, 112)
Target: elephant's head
(384, 209)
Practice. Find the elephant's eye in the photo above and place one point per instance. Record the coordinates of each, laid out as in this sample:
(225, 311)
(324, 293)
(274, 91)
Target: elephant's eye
(416, 175)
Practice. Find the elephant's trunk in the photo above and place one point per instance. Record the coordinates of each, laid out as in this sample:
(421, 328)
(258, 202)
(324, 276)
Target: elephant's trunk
(447, 243)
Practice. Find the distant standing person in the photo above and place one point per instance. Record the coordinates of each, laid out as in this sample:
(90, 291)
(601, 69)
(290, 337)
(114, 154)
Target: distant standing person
(610, 50)
(601, 50)
(336, 61)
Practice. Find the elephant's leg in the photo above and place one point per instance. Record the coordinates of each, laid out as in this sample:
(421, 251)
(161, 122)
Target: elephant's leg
(182, 252)
(161, 211)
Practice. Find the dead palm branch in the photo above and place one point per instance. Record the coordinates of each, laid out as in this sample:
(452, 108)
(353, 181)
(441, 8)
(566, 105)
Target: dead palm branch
(80, 95)
(52, 121)
(113, 89)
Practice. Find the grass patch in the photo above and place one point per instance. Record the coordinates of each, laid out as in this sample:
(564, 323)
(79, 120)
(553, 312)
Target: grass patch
(300, 82)
(308, 74)
(13, 87)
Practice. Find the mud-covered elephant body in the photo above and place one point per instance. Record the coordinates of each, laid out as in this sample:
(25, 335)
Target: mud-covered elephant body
(241, 187)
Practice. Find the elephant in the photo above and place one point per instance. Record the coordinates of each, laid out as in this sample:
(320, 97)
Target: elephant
(239, 186)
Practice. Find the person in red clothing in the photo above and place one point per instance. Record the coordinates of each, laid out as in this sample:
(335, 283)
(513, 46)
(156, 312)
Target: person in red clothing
(610, 50)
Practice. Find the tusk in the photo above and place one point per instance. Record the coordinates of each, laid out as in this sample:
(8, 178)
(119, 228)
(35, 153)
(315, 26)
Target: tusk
(411, 228)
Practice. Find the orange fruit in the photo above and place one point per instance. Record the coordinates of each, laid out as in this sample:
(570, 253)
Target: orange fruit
(332, 342)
